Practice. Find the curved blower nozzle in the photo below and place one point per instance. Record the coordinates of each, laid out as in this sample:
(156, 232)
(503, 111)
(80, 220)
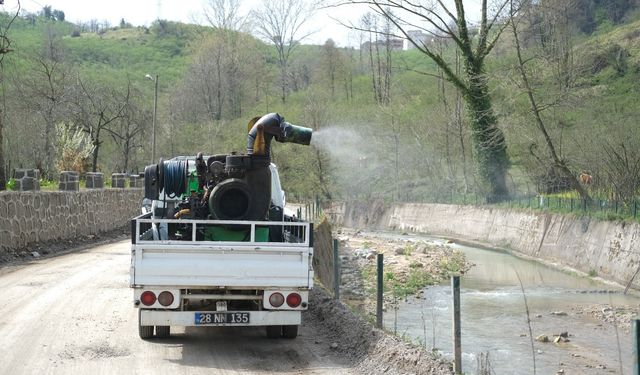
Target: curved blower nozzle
(263, 129)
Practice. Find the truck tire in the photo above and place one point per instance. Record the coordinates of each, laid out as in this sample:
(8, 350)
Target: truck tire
(145, 332)
(274, 332)
(162, 332)
(290, 332)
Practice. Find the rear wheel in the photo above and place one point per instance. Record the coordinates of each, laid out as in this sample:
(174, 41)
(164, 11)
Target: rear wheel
(163, 332)
(145, 332)
(274, 332)
(289, 332)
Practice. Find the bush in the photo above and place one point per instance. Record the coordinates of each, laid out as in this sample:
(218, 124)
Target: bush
(11, 184)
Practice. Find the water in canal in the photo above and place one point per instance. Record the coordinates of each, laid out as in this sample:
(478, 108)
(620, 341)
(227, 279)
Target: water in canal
(494, 320)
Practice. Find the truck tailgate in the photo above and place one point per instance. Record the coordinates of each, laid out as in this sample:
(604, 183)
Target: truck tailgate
(192, 265)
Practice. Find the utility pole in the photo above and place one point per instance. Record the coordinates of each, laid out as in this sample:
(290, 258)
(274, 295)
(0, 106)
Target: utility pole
(153, 121)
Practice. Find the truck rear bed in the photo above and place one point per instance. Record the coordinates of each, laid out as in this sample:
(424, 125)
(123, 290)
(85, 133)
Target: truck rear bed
(194, 262)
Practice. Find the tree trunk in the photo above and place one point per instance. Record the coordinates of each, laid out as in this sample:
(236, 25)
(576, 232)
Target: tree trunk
(48, 147)
(3, 176)
(489, 142)
(96, 150)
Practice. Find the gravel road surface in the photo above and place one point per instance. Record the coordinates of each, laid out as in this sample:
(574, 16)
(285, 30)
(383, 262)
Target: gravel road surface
(73, 314)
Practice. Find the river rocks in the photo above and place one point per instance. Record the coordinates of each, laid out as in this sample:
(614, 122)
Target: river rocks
(542, 338)
(557, 339)
(365, 254)
(399, 251)
(619, 315)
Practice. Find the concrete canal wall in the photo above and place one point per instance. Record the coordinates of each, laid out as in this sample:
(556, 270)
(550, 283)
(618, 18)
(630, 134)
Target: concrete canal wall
(609, 249)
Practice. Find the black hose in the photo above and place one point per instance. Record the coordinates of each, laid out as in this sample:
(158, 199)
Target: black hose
(175, 177)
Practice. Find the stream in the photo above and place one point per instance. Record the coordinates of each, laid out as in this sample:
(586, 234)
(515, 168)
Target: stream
(494, 318)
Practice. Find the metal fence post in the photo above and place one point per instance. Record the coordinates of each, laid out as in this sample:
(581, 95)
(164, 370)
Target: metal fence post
(380, 291)
(571, 204)
(635, 331)
(457, 345)
(336, 270)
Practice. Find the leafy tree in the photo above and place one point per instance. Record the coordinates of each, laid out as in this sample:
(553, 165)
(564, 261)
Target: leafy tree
(47, 12)
(58, 15)
(333, 64)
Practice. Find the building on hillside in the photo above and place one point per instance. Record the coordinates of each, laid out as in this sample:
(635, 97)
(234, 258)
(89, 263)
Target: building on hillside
(418, 36)
(395, 44)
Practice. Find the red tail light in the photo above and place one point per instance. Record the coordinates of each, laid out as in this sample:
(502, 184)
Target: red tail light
(148, 298)
(294, 300)
(276, 299)
(165, 298)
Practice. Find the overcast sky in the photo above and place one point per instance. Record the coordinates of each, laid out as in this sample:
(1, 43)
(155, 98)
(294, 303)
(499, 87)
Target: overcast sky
(144, 12)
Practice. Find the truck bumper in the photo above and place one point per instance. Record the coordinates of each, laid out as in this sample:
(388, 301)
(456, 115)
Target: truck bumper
(187, 318)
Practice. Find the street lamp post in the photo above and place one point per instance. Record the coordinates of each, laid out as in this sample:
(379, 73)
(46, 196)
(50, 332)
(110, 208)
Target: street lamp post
(155, 111)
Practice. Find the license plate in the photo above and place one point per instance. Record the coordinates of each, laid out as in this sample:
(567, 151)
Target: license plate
(222, 318)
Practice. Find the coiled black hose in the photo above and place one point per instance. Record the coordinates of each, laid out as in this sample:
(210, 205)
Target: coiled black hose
(175, 177)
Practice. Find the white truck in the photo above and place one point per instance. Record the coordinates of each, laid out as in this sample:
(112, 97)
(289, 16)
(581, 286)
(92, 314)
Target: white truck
(217, 249)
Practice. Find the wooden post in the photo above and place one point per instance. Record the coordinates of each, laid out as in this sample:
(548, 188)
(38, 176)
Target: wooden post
(380, 291)
(457, 346)
(336, 270)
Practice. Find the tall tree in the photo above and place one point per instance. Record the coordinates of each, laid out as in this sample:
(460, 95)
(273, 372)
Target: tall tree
(5, 48)
(331, 57)
(474, 44)
(379, 50)
(280, 22)
(559, 163)
(128, 129)
(44, 91)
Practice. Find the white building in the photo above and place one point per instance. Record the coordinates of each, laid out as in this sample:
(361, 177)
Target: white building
(418, 36)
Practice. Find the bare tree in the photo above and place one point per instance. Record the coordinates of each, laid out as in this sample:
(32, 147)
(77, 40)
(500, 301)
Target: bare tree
(559, 163)
(317, 116)
(224, 14)
(379, 51)
(97, 108)
(44, 91)
(5, 48)
(622, 166)
(280, 22)
(128, 129)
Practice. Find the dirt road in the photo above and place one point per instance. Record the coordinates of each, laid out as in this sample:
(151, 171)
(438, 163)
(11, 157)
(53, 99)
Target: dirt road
(73, 314)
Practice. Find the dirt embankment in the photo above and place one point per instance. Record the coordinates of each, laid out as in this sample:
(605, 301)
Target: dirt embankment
(410, 265)
(371, 350)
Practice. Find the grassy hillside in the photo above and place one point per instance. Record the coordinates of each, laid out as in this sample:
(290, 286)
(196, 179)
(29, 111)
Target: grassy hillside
(416, 147)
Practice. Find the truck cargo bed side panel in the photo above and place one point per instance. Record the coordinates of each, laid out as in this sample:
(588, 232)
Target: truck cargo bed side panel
(192, 266)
